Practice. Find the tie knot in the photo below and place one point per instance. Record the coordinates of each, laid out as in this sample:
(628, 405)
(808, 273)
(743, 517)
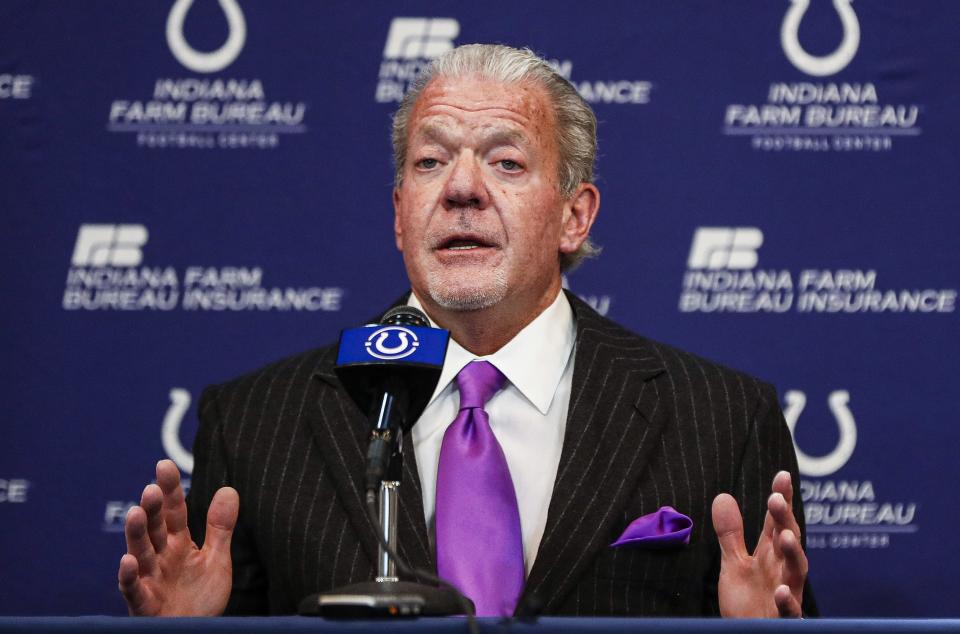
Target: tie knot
(477, 382)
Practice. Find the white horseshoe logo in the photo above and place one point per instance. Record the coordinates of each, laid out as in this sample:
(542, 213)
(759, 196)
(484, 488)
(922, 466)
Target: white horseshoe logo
(376, 343)
(833, 461)
(170, 432)
(827, 64)
(215, 60)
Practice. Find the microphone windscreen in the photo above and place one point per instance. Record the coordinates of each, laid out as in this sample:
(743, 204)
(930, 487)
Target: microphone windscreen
(405, 316)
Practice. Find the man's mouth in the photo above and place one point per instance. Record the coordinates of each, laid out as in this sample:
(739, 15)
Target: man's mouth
(464, 243)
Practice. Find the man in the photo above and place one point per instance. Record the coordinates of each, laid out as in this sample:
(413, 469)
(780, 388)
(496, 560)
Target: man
(596, 426)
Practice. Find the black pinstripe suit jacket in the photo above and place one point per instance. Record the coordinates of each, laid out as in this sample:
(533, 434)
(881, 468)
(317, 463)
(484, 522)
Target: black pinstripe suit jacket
(648, 426)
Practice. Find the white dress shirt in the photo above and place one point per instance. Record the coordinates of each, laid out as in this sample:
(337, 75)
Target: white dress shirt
(528, 416)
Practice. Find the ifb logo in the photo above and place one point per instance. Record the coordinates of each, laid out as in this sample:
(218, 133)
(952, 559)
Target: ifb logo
(109, 245)
(826, 64)
(725, 248)
(420, 38)
(214, 60)
(839, 401)
(376, 343)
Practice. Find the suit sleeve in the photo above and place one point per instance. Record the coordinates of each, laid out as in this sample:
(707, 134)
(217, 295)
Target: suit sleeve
(768, 449)
(212, 470)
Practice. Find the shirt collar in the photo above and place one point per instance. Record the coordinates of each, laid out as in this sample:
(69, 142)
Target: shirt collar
(533, 361)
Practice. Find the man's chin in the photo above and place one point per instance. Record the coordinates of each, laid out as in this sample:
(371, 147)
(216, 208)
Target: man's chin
(466, 298)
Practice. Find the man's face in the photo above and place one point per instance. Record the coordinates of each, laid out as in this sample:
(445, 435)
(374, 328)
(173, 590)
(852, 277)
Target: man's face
(479, 215)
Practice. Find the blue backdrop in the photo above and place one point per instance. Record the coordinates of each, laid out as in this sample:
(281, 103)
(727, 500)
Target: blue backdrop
(180, 176)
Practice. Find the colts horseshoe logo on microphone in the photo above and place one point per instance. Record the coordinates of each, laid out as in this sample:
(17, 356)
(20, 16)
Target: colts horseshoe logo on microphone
(826, 64)
(391, 342)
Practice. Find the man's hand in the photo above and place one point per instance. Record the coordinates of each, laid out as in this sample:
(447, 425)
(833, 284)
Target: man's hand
(770, 582)
(163, 572)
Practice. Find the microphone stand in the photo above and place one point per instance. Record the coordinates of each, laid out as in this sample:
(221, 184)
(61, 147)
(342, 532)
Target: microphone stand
(387, 596)
(389, 501)
(400, 400)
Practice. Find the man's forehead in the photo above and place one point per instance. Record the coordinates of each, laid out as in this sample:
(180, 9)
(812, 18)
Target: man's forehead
(521, 103)
(443, 128)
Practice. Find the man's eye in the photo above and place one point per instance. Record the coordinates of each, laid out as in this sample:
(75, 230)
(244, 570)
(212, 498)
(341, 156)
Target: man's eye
(427, 163)
(510, 166)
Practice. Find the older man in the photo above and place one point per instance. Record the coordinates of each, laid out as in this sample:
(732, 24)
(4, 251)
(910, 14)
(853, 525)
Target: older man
(557, 445)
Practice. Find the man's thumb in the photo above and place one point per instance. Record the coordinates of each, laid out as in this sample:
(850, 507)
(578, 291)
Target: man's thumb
(728, 524)
(221, 519)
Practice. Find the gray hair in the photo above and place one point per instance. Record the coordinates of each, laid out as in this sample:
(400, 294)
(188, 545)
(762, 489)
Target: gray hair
(576, 123)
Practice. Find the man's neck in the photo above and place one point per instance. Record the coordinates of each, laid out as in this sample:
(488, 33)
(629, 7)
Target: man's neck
(486, 330)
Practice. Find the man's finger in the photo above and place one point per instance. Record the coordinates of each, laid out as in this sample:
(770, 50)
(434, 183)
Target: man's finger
(768, 526)
(152, 503)
(174, 500)
(132, 589)
(221, 520)
(775, 506)
(138, 542)
(795, 565)
(787, 605)
(782, 514)
(728, 524)
(783, 484)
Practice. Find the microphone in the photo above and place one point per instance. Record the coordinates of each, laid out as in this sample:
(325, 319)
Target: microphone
(390, 371)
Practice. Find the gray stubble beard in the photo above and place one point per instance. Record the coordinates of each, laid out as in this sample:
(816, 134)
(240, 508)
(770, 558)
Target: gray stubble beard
(465, 299)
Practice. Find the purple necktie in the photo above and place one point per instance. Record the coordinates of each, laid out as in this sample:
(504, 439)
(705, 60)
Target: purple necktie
(479, 545)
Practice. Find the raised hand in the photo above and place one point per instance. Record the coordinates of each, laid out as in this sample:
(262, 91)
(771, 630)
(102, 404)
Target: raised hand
(769, 582)
(163, 572)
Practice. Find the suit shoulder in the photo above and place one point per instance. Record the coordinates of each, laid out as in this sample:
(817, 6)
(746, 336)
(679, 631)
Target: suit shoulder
(282, 375)
(674, 357)
(684, 369)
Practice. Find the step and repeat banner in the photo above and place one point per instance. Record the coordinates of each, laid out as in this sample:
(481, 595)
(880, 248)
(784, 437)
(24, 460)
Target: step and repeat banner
(193, 189)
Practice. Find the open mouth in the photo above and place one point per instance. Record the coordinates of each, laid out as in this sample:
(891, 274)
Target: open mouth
(464, 243)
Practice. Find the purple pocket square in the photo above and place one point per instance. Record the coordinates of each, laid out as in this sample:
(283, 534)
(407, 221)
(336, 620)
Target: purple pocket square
(664, 528)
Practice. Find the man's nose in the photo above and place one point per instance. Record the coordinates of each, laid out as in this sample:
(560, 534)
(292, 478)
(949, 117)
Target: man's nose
(465, 186)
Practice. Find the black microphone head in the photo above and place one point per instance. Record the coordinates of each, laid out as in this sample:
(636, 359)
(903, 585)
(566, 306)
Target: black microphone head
(405, 316)
(367, 377)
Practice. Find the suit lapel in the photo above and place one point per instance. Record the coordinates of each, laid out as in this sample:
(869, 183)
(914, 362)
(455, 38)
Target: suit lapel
(341, 432)
(412, 528)
(613, 423)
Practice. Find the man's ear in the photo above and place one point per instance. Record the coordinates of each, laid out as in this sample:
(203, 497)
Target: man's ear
(397, 231)
(579, 213)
